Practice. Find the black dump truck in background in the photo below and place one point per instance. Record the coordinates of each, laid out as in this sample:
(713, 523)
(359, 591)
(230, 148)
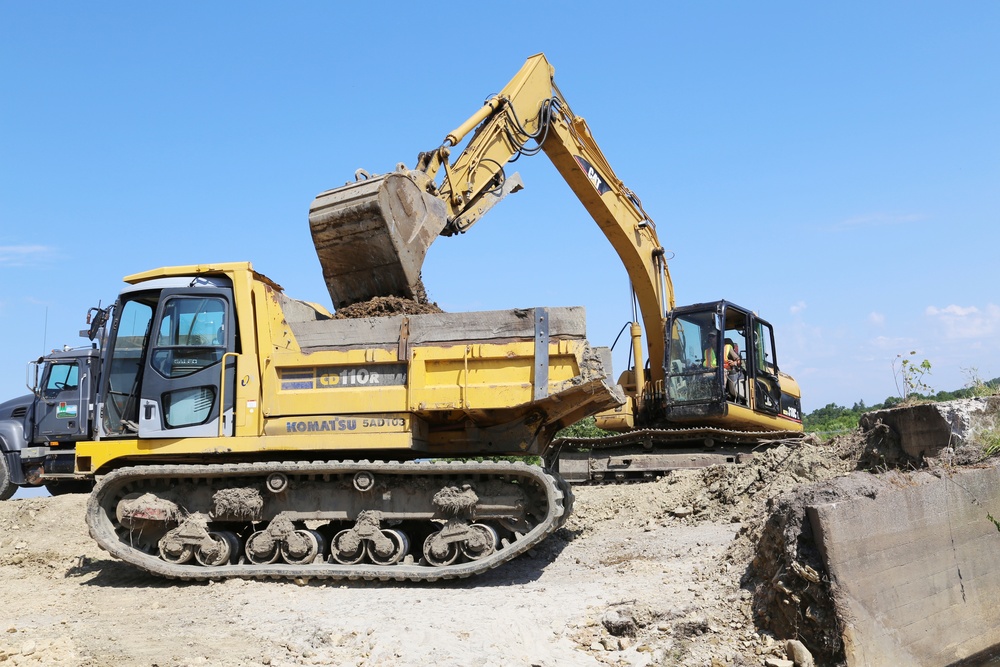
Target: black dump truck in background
(38, 431)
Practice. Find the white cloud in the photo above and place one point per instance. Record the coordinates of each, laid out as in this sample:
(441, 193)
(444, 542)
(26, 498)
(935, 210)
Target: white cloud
(880, 220)
(965, 322)
(958, 311)
(878, 319)
(797, 307)
(19, 255)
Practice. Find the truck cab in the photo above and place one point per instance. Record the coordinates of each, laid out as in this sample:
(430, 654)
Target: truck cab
(39, 431)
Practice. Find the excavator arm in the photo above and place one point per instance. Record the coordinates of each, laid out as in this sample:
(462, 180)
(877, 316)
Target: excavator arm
(372, 235)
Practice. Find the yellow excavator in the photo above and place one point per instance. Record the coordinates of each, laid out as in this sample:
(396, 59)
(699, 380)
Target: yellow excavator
(706, 386)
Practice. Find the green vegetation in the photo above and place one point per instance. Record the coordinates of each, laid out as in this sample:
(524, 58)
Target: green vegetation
(833, 419)
(976, 385)
(909, 375)
(989, 440)
(585, 428)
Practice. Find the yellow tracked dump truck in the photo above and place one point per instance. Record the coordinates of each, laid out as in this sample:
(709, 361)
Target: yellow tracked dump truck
(240, 432)
(704, 386)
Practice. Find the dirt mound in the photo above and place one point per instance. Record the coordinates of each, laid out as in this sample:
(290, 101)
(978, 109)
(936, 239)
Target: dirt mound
(34, 533)
(960, 432)
(786, 573)
(721, 493)
(767, 566)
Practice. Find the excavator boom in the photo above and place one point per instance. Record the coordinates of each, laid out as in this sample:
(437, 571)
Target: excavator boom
(372, 235)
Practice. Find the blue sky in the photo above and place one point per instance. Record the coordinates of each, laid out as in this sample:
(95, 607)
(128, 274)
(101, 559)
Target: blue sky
(833, 166)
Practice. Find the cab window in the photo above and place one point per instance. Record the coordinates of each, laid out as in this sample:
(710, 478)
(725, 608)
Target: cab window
(764, 349)
(191, 335)
(62, 377)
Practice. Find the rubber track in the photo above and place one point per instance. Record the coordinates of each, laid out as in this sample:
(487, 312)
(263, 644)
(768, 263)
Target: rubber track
(678, 436)
(99, 519)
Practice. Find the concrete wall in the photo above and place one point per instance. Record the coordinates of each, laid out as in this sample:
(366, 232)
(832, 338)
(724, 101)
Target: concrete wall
(915, 569)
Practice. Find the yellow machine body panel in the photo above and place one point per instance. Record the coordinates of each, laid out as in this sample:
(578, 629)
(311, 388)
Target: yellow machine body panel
(496, 382)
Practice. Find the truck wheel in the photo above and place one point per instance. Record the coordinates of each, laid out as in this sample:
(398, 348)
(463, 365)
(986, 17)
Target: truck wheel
(7, 488)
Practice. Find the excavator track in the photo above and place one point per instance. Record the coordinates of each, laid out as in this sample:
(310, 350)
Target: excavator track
(649, 453)
(403, 521)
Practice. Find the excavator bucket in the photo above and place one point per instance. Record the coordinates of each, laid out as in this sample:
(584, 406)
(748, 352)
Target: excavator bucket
(371, 236)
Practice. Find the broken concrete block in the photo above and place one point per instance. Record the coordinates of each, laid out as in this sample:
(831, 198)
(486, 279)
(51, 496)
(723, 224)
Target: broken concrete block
(915, 433)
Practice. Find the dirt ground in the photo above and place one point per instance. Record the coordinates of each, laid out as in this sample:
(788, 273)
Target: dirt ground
(642, 574)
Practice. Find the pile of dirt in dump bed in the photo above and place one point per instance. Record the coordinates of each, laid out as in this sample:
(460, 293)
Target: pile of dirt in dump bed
(384, 306)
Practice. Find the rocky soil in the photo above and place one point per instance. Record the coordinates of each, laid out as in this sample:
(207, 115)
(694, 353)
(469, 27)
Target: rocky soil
(642, 574)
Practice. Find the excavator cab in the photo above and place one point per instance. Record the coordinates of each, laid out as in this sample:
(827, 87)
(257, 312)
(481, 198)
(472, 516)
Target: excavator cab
(721, 366)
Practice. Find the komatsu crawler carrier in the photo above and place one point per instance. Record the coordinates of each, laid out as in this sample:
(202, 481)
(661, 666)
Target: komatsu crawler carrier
(243, 433)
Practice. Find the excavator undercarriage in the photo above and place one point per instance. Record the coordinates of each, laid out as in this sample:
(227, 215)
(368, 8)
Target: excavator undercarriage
(648, 454)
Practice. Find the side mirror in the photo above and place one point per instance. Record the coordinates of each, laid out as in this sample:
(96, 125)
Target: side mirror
(97, 318)
(32, 376)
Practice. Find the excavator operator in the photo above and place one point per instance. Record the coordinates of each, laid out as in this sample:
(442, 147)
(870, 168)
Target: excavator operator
(731, 361)
(708, 357)
(734, 371)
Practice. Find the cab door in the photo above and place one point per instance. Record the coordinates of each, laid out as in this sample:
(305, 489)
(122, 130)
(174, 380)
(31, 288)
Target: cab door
(764, 369)
(186, 369)
(61, 413)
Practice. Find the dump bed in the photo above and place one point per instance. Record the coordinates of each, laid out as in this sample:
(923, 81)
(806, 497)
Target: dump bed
(494, 381)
